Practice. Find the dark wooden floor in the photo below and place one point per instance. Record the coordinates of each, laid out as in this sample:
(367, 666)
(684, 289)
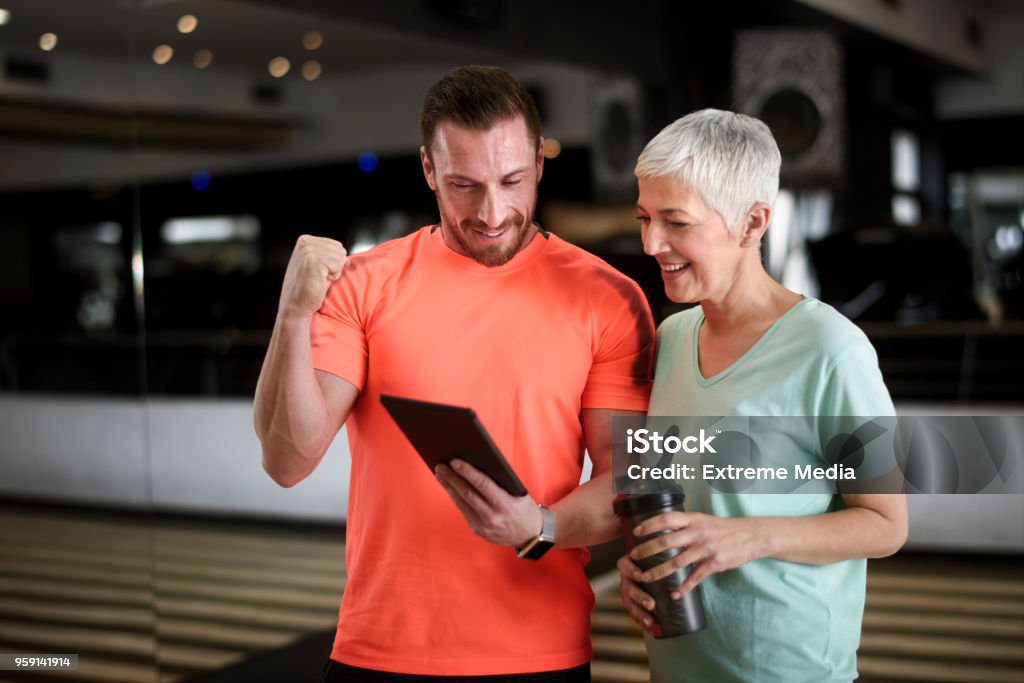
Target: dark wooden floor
(147, 599)
(144, 598)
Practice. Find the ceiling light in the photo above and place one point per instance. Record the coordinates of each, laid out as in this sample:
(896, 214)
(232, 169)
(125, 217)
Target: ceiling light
(278, 67)
(48, 41)
(202, 58)
(162, 54)
(311, 70)
(5, 16)
(187, 24)
(312, 40)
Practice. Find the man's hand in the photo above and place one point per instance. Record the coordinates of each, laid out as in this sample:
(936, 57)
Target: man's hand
(491, 512)
(316, 262)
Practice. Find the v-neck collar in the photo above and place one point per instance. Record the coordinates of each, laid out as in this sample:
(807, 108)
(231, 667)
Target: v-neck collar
(708, 381)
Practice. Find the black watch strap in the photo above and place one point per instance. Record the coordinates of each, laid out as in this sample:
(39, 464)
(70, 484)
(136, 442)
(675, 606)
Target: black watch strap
(539, 544)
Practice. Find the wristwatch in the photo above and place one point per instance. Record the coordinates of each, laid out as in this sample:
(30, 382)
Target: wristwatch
(539, 544)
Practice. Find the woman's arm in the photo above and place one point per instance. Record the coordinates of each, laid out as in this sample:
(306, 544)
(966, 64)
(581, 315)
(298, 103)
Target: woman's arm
(871, 525)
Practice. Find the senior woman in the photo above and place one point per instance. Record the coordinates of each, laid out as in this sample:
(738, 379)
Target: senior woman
(782, 575)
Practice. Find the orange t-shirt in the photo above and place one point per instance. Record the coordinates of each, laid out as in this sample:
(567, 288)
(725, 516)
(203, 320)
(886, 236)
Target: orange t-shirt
(527, 345)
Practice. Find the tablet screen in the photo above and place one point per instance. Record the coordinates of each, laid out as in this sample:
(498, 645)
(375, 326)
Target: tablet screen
(441, 433)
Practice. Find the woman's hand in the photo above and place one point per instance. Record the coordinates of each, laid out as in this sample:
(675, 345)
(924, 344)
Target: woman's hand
(713, 544)
(635, 599)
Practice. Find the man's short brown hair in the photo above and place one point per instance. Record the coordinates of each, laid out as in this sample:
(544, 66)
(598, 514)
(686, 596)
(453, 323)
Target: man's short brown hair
(477, 97)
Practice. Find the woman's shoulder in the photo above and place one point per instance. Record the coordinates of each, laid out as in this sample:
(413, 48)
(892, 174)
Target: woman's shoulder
(681, 321)
(827, 329)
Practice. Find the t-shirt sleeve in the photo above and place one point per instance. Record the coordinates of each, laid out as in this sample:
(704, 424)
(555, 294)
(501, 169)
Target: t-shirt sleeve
(338, 330)
(621, 373)
(854, 384)
(856, 404)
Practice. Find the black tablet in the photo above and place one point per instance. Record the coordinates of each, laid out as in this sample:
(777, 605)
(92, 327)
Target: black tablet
(441, 433)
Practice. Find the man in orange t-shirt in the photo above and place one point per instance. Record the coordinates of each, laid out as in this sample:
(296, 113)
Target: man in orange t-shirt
(486, 310)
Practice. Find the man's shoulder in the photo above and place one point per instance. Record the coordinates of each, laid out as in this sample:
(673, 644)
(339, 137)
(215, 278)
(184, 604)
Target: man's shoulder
(589, 275)
(576, 262)
(386, 253)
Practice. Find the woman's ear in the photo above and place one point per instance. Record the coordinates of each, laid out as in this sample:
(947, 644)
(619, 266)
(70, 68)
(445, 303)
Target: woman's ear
(755, 224)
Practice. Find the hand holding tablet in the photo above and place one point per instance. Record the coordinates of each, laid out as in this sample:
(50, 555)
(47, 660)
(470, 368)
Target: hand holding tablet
(440, 433)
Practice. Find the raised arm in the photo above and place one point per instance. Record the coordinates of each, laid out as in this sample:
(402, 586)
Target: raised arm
(299, 410)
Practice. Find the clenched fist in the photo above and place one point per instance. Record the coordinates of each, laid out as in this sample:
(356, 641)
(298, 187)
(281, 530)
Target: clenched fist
(316, 262)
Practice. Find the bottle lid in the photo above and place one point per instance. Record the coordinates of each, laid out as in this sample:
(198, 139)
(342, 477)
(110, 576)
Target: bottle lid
(628, 504)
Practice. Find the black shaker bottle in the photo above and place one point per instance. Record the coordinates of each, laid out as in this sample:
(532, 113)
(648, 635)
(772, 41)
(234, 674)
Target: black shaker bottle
(672, 617)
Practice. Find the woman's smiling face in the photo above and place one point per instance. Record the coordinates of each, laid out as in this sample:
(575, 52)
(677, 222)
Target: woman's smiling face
(699, 257)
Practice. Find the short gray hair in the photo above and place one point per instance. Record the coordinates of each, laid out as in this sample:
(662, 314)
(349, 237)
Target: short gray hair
(730, 160)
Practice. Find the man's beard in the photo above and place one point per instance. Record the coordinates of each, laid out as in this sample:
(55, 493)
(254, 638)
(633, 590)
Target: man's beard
(496, 254)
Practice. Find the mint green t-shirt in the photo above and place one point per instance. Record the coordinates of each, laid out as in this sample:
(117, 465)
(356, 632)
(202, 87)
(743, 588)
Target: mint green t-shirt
(771, 621)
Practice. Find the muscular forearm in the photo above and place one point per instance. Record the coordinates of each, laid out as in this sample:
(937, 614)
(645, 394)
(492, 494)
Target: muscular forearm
(290, 412)
(853, 532)
(585, 516)
(297, 413)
